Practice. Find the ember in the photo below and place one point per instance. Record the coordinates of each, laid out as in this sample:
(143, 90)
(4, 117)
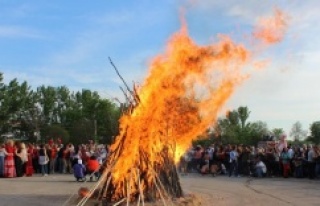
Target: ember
(186, 88)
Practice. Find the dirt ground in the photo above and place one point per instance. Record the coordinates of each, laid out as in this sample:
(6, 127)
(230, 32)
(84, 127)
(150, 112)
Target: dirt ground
(56, 190)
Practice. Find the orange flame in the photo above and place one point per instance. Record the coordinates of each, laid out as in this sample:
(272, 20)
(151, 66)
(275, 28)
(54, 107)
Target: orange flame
(186, 87)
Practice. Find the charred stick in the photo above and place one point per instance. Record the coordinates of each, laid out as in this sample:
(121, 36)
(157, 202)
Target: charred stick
(124, 82)
(126, 96)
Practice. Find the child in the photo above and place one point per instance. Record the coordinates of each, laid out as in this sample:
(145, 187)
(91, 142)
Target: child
(79, 170)
(93, 167)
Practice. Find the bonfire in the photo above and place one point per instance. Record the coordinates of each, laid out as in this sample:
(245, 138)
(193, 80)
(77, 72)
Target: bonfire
(186, 88)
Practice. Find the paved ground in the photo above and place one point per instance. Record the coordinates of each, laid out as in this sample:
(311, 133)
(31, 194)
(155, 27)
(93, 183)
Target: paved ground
(243, 191)
(52, 190)
(55, 190)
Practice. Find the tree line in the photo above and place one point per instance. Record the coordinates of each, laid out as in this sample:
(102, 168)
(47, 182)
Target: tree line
(56, 112)
(235, 128)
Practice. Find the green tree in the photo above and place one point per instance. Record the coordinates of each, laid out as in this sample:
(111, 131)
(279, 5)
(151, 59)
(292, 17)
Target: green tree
(258, 129)
(81, 131)
(27, 112)
(2, 108)
(13, 98)
(243, 113)
(55, 132)
(235, 128)
(297, 132)
(277, 132)
(315, 132)
(47, 97)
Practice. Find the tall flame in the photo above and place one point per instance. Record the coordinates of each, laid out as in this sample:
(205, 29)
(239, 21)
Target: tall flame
(185, 89)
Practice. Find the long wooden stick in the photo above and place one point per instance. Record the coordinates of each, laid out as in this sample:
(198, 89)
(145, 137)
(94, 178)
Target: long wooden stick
(129, 188)
(161, 196)
(125, 95)
(124, 82)
(140, 189)
(139, 200)
(85, 199)
(118, 203)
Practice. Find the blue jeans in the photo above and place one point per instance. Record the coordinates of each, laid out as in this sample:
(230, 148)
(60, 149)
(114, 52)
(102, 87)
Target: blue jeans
(259, 172)
(44, 169)
(233, 167)
(61, 165)
(298, 171)
(1, 166)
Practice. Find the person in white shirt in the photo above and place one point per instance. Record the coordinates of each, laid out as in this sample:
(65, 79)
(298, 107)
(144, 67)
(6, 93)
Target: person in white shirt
(290, 151)
(260, 168)
(233, 161)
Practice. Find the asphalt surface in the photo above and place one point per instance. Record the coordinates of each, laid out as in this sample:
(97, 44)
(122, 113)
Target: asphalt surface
(58, 190)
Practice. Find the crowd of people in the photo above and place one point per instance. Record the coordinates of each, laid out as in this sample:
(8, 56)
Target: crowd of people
(279, 160)
(18, 159)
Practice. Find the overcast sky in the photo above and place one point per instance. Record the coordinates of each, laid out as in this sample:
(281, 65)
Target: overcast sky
(68, 42)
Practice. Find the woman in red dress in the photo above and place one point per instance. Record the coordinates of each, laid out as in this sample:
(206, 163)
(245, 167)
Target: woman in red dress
(29, 167)
(9, 166)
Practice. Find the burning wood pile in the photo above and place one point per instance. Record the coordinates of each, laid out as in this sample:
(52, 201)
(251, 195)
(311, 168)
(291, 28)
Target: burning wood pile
(186, 88)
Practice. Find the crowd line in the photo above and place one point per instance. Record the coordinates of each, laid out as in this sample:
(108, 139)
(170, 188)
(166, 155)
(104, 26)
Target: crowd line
(18, 159)
(241, 160)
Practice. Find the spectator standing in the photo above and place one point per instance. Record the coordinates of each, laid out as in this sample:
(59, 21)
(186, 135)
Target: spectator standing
(285, 160)
(291, 154)
(317, 160)
(53, 158)
(29, 166)
(21, 158)
(269, 161)
(240, 156)
(276, 163)
(233, 161)
(297, 162)
(2, 156)
(305, 151)
(43, 160)
(104, 152)
(311, 162)
(60, 155)
(48, 150)
(245, 161)
(35, 159)
(9, 166)
(67, 159)
(197, 156)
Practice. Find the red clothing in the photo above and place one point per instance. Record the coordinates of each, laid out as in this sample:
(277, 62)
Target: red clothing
(92, 165)
(286, 169)
(29, 166)
(54, 152)
(84, 156)
(35, 154)
(51, 142)
(9, 166)
(66, 154)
